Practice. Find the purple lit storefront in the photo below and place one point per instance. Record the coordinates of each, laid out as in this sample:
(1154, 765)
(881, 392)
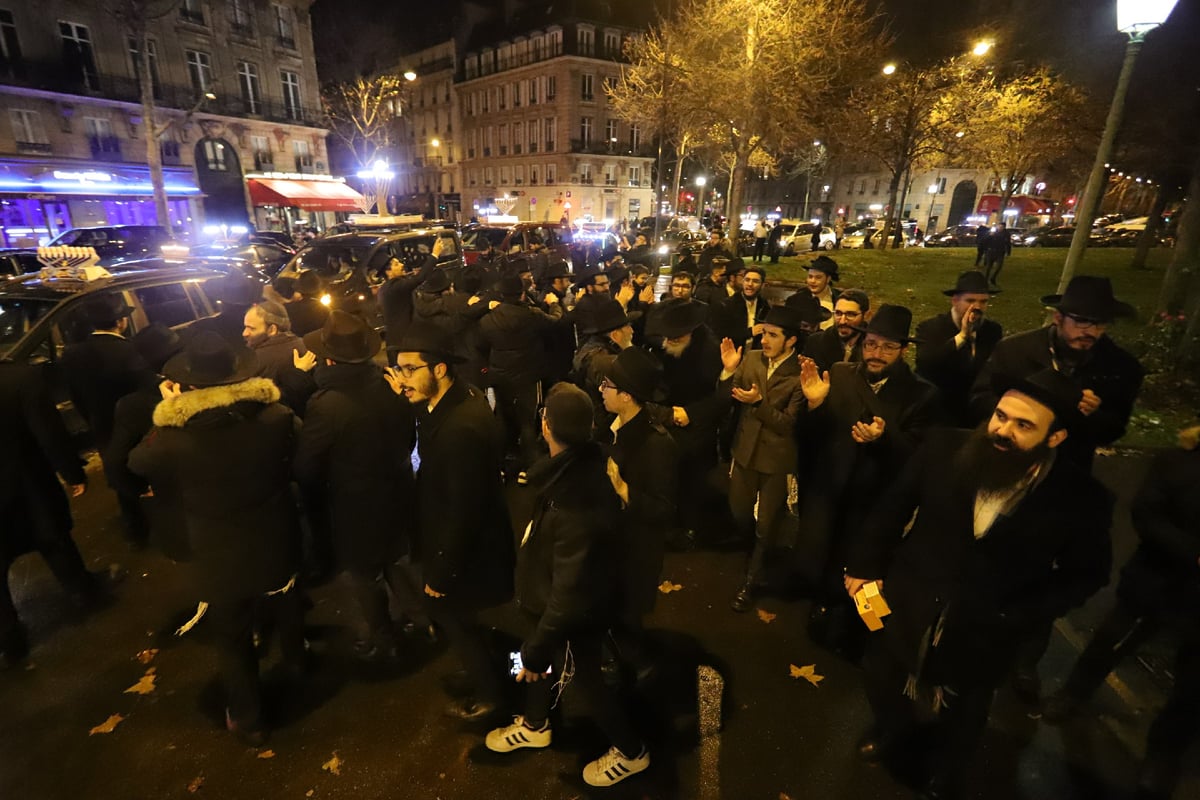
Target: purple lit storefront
(39, 199)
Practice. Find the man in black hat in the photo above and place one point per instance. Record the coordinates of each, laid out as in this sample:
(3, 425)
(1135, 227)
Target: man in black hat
(100, 370)
(308, 313)
(996, 246)
(740, 317)
(233, 294)
(812, 315)
(1009, 536)
(396, 294)
(354, 458)
(465, 534)
(560, 341)
(592, 289)
(515, 334)
(606, 332)
(822, 274)
(715, 247)
(841, 341)
(1075, 343)
(223, 445)
(860, 425)
(689, 409)
(643, 465)
(766, 383)
(953, 347)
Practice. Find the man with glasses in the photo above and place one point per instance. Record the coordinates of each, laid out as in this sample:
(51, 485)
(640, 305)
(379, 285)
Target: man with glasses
(843, 340)
(860, 424)
(682, 286)
(741, 316)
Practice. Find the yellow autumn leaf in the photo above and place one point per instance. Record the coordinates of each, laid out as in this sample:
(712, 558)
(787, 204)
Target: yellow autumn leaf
(196, 783)
(666, 587)
(808, 672)
(146, 656)
(766, 616)
(333, 765)
(145, 685)
(107, 726)
(266, 753)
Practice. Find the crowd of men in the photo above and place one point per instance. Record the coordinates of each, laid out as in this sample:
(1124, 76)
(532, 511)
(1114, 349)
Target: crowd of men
(639, 423)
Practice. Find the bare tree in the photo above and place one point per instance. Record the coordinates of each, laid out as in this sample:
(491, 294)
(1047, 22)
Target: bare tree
(365, 113)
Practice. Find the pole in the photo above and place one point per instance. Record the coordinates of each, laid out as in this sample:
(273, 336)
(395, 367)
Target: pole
(1085, 211)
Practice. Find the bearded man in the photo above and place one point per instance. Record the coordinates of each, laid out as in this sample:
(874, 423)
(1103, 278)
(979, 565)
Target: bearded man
(841, 341)
(1010, 536)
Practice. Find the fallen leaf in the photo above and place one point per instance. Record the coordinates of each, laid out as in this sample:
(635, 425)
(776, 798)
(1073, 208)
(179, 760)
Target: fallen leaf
(666, 587)
(333, 765)
(266, 754)
(808, 672)
(309, 793)
(145, 685)
(784, 796)
(766, 616)
(146, 656)
(196, 783)
(107, 726)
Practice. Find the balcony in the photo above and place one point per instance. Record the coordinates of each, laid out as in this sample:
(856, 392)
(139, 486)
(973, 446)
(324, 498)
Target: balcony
(586, 180)
(170, 154)
(243, 29)
(304, 165)
(533, 147)
(549, 181)
(105, 148)
(610, 181)
(516, 149)
(264, 161)
(286, 42)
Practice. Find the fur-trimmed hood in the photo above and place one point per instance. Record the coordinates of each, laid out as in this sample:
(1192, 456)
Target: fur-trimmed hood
(175, 412)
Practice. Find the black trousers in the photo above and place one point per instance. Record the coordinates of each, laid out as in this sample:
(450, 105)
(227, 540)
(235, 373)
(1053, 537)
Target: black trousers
(1120, 633)
(373, 592)
(466, 635)
(517, 405)
(770, 491)
(993, 262)
(760, 248)
(1177, 725)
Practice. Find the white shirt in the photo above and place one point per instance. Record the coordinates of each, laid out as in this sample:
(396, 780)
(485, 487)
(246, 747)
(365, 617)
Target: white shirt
(772, 365)
(990, 505)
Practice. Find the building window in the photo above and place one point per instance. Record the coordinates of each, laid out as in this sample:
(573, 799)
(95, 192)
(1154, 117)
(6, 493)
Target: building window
(135, 60)
(551, 87)
(503, 140)
(635, 176)
(505, 176)
(533, 136)
(290, 82)
(263, 158)
(200, 73)
(78, 55)
(585, 173)
(587, 41)
(532, 91)
(472, 66)
(635, 137)
(285, 28)
(548, 127)
(28, 130)
(240, 20)
(518, 137)
(10, 46)
(610, 134)
(550, 173)
(535, 45)
(610, 175)
(516, 90)
(248, 83)
(488, 176)
(585, 131)
(612, 44)
(585, 87)
(304, 159)
(215, 156)
(192, 11)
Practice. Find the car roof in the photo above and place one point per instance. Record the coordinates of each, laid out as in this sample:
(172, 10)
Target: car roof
(33, 287)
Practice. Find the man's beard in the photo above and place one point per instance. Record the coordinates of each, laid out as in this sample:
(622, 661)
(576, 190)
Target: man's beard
(873, 371)
(846, 332)
(257, 340)
(675, 350)
(990, 469)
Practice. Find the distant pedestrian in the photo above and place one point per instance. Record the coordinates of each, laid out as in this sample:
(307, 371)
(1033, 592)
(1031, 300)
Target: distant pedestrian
(773, 239)
(981, 240)
(999, 245)
(816, 237)
(761, 232)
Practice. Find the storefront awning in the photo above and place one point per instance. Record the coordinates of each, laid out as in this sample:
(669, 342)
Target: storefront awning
(307, 195)
(1024, 205)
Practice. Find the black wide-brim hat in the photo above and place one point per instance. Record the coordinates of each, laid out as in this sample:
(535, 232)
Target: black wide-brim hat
(676, 317)
(156, 343)
(1048, 387)
(557, 269)
(1092, 297)
(891, 322)
(344, 338)
(789, 318)
(808, 307)
(638, 373)
(105, 309)
(425, 337)
(827, 265)
(607, 316)
(971, 282)
(586, 276)
(436, 283)
(209, 359)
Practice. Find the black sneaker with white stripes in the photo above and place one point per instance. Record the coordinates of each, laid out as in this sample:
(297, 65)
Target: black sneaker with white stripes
(517, 736)
(614, 767)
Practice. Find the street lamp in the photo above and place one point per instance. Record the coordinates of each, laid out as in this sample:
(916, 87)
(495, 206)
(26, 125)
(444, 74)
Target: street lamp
(381, 175)
(933, 190)
(1135, 18)
(981, 48)
(889, 69)
(437, 192)
(700, 181)
(409, 75)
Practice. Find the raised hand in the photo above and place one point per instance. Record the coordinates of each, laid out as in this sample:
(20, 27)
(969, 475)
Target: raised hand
(731, 356)
(813, 382)
(863, 432)
(306, 362)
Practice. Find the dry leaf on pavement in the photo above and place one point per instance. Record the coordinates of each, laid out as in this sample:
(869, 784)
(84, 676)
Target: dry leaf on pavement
(146, 656)
(666, 587)
(196, 783)
(766, 616)
(107, 726)
(145, 685)
(333, 765)
(266, 753)
(808, 672)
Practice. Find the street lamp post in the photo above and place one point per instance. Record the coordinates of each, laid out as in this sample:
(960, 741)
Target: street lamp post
(437, 191)
(1136, 18)
(700, 181)
(933, 190)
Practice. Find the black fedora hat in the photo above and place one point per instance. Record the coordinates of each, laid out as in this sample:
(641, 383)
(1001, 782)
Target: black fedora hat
(1048, 387)
(209, 359)
(676, 317)
(425, 337)
(1091, 297)
(787, 317)
(808, 307)
(607, 316)
(510, 287)
(971, 282)
(891, 322)
(827, 265)
(436, 283)
(636, 372)
(587, 276)
(617, 273)
(103, 311)
(156, 343)
(345, 338)
(557, 269)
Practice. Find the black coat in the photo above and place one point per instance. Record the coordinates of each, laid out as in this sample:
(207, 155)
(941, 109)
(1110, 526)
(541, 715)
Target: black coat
(276, 363)
(711, 294)
(567, 564)
(226, 453)
(648, 460)
(466, 540)
(1112, 373)
(690, 382)
(728, 320)
(99, 371)
(514, 334)
(1046, 557)
(307, 315)
(228, 324)
(33, 505)
(954, 369)
(588, 370)
(825, 347)
(355, 453)
(396, 300)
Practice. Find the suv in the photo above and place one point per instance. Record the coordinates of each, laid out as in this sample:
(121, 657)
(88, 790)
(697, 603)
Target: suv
(112, 243)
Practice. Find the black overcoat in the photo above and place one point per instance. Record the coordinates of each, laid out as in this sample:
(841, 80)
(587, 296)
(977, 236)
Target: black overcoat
(99, 371)
(954, 369)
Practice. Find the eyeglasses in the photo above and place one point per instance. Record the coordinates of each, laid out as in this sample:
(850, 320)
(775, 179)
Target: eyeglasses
(847, 314)
(607, 384)
(601, 284)
(1086, 322)
(408, 370)
(883, 347)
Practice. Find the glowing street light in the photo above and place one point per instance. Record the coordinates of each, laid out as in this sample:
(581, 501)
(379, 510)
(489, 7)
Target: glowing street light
(981, 48)
(889, 69)
(409, 75)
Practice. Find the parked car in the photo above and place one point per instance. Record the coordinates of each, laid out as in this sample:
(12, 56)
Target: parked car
(18, 262)
(796, 237)
(268, 257)
(476, 238)
(954, 236)
(1061, 236)
(861, 238)
(1129, 237)
(114, 243)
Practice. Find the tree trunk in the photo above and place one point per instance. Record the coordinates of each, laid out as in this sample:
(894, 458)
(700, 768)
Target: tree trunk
(737, 183)
(152, 133)
(1153, 225)
(1185, 260)
(893, 195)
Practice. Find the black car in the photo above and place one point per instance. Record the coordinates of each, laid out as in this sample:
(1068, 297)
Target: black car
(954, 236)
(1061, 237)
(115, 243)
(270, 257)
(18, 262)
(222, 264)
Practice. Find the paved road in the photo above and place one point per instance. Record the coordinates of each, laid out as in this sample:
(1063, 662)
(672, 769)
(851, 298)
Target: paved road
(351, 733)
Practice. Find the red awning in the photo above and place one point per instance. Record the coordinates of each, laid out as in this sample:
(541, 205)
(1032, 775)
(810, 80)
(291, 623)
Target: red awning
(990, 203)
(308, 195)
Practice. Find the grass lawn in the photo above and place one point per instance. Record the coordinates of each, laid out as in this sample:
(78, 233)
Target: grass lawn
(915, 277)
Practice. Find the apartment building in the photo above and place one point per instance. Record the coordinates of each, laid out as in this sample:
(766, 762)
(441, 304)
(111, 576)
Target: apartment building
(427, 167)
(236, 76)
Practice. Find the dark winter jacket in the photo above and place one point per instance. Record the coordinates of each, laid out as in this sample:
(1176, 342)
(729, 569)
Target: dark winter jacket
(396, 300)
(826, 348)
(954, 369)
(307, 315)
(514, 334)
(690, 382)
(99, 371)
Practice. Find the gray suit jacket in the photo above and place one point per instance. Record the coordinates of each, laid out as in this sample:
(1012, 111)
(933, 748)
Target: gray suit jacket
(765, 441)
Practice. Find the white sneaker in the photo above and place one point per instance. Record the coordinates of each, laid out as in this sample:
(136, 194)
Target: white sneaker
(517, 736)
(614, 767)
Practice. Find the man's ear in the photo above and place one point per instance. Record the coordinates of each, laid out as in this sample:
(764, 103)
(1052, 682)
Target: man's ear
(1056, 438)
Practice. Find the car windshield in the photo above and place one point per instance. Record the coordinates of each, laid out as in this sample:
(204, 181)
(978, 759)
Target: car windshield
(77, 236)
(332, 258)
(17, 317)
(478, 238)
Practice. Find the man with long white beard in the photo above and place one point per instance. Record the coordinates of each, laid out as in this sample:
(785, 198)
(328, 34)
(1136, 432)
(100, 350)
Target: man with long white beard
(1010, 535)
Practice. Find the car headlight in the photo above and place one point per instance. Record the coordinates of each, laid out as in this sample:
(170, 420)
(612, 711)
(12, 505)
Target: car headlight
(326, 300)
(663, 250)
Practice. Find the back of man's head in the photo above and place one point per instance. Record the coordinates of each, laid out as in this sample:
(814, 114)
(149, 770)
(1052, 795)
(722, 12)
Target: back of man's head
(569, 414)
(273, 313)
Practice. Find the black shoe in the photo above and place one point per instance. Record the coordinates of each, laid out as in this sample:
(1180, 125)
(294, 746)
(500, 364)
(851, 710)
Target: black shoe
(469, 710)
(247, 735)
(743, 601)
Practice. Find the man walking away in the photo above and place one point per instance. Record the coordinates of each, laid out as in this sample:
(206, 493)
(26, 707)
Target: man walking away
(999, 245)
